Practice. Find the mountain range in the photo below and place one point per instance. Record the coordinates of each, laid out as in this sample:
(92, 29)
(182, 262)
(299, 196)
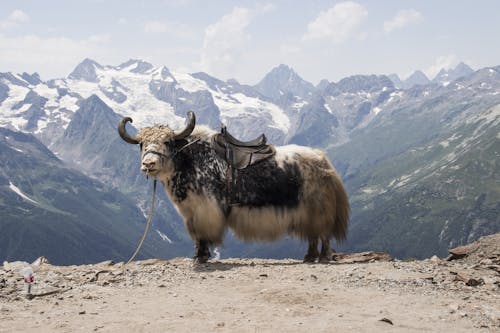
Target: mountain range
(419, 158)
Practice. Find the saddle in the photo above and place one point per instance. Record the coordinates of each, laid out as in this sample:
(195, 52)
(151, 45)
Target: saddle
(241, 154)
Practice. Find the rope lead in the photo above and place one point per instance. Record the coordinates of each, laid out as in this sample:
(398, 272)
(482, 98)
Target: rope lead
(148, 224)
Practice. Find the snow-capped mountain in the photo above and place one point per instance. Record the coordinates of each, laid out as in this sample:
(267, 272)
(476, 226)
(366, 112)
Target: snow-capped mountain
(282, 81)
(135, 88)
(444, 77)
(354, 101)
(283, 105)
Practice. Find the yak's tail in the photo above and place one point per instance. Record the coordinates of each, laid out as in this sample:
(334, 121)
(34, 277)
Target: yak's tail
(342, 213)
(342, 209)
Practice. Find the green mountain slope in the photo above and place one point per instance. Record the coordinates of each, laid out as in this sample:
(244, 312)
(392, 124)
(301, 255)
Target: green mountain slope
(426, 176)
(51, 210)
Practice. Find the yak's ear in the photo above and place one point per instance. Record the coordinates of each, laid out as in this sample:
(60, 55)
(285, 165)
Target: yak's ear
(189, 127)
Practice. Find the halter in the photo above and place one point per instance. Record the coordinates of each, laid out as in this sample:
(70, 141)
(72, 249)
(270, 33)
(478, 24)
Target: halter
(152, 151)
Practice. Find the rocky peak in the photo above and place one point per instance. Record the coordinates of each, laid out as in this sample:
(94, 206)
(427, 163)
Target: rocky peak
(446, 76)
(365, 83)
(283, 80)
(141, 67)
(85, 71)
(33, 79)
(417, 78)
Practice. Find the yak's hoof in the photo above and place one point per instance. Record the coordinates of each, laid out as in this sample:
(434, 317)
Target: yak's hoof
(325, 259)
(201, 260)
(309, 259)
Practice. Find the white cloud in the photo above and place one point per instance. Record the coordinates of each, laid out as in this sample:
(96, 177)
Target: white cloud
(155, 26)
(224, 39)
(99, 38)
(173, 29)
(402, 19)
(15, 18)
(337, 24)
(441, 62)
(51, 57)
(18, 16)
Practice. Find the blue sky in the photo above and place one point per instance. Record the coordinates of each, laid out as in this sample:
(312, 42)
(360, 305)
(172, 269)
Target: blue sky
(246, 39)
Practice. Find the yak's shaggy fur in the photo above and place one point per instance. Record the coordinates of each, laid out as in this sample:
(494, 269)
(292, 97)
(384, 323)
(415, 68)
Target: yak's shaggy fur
(295, 192)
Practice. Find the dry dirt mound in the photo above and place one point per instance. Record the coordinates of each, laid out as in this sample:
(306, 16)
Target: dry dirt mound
(357, 293)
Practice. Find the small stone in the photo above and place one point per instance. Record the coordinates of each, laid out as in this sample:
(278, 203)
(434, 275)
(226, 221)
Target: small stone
(386, 320)
(435, 258)
(453, 307)
(81, 312)
(474, 282)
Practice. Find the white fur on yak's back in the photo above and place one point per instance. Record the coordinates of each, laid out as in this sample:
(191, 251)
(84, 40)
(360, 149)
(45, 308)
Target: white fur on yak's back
(323, 210)
(204, 133)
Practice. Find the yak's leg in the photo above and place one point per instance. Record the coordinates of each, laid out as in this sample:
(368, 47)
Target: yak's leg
(312, 252)
(202, 252)
(326, 251)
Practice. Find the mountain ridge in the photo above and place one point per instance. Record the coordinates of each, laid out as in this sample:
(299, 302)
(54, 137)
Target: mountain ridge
(370, 128)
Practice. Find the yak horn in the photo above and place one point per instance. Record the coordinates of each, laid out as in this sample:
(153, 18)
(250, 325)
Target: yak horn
(189, 128)
(123, 132)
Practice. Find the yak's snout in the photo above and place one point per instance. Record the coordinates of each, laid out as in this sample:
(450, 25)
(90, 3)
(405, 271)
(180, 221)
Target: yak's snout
(150, 165)
(152, 159)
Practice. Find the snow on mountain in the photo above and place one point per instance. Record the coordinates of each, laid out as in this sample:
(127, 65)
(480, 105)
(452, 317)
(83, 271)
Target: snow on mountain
(127, 92)
(21, 194)
(282, 105)
(284, 80)
(135, 88)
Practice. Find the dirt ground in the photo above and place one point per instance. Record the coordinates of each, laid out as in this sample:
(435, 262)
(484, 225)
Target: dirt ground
(256, 295)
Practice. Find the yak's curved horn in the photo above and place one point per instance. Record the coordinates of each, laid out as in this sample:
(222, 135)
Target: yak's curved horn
(189, 128)
(123, 132)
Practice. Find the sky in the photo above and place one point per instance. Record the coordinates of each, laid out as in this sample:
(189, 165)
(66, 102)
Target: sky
(244, 40)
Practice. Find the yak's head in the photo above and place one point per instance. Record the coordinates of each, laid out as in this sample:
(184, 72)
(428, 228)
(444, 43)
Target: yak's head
(157, 143)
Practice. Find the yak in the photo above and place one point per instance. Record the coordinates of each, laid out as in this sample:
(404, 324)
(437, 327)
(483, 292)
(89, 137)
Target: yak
(259, 191)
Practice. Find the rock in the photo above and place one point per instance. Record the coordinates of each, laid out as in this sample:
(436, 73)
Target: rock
(468, 280)
(106, 263)
(39, 261)
(461, 251)
(453, 307)
(14, 266)
(435, 258)
(386, 320)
